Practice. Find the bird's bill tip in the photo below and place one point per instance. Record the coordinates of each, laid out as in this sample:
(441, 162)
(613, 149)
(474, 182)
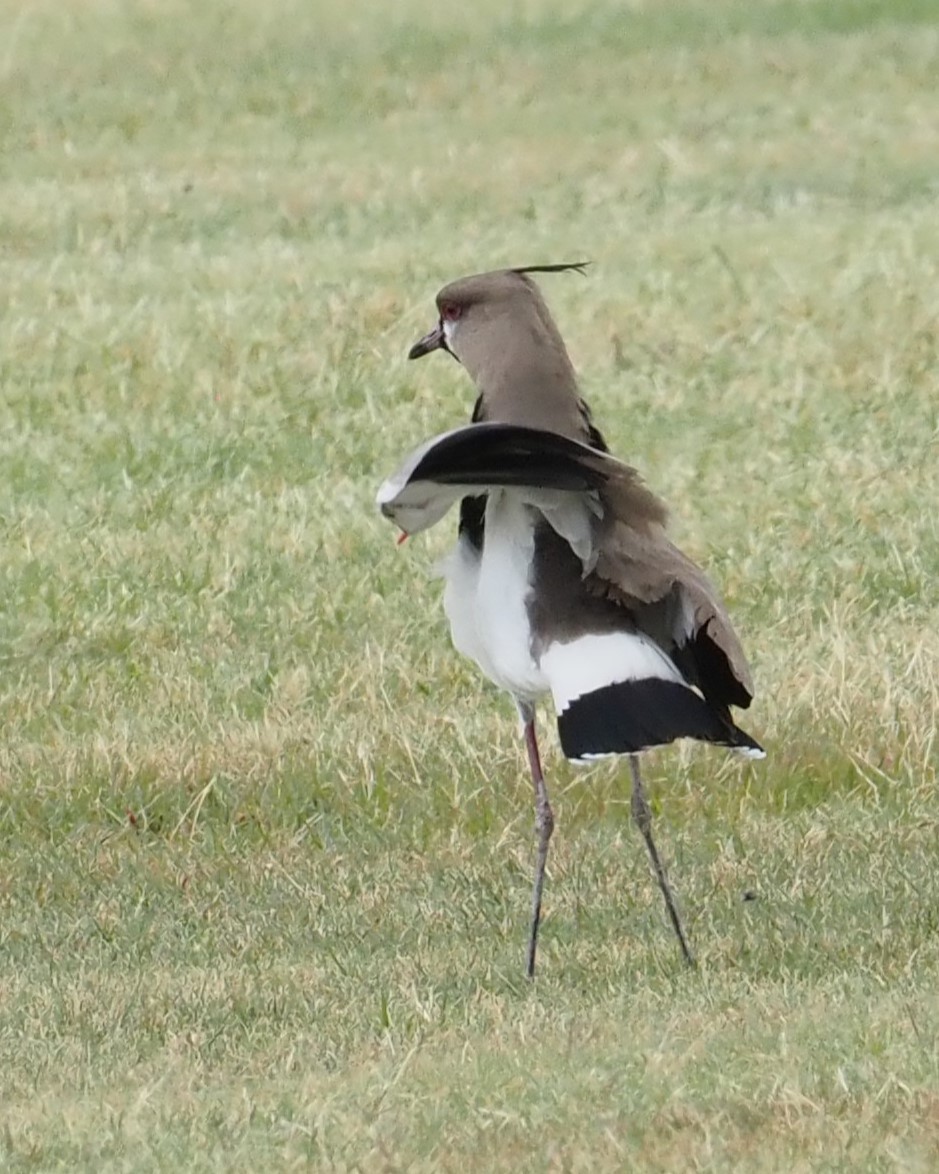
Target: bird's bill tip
(431, 341)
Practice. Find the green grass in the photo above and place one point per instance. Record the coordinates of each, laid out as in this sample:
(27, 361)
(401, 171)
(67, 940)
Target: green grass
(266, 840)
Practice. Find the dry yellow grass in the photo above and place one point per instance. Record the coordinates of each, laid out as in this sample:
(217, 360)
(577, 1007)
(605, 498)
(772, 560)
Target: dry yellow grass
(266, 840)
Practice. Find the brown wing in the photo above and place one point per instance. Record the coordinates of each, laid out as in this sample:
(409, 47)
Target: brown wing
(671, 598)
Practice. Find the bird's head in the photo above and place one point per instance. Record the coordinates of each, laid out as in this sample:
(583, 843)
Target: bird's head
(496, 322)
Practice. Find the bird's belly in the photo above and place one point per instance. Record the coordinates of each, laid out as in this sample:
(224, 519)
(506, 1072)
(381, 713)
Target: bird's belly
(485, 600)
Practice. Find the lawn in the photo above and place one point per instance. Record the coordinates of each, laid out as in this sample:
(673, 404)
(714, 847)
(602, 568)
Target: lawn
(266, 841)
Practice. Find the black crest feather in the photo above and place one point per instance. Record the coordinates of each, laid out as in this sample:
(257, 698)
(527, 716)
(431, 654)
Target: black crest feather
(577, 266)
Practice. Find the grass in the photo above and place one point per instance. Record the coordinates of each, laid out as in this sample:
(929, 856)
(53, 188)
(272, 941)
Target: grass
(266, 840)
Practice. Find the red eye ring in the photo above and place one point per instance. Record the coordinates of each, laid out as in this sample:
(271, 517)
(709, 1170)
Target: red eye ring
(449, 312)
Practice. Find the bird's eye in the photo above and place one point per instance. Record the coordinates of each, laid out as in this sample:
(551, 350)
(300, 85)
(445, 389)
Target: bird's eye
(449, 312)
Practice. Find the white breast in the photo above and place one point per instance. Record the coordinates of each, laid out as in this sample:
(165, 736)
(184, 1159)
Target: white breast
(485, 597)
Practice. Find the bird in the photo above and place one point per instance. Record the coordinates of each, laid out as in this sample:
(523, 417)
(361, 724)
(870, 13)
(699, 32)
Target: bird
(563, 580)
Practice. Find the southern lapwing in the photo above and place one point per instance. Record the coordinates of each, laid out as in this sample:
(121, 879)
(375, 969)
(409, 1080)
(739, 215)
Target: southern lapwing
(563, 580)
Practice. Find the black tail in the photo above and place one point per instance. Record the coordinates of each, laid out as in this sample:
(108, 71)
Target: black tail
(630, 716)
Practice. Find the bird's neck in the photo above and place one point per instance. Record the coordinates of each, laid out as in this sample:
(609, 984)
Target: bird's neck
(534, 397)
(524, 376)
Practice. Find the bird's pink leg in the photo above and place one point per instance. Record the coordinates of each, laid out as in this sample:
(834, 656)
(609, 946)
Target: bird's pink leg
(544, 825)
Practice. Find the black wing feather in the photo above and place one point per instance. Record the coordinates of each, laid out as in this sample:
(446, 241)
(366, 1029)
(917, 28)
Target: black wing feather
(510, 454)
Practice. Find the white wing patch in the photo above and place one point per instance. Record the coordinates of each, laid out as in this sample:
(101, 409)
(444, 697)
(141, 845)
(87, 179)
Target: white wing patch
(580, 666)
(573, 517)
(419, 504)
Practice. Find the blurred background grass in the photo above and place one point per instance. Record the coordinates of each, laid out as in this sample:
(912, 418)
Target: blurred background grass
(266, 839)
